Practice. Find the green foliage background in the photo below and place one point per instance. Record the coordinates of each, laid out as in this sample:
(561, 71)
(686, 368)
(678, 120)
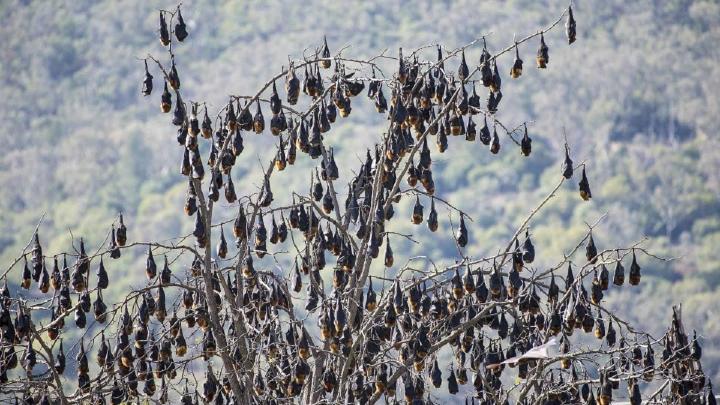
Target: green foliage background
(636, 96)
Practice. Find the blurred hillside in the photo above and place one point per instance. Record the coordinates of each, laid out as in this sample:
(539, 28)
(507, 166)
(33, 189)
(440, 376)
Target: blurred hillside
(636, 96)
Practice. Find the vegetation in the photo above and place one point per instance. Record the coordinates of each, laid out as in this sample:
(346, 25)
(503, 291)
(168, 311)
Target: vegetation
(81, 143)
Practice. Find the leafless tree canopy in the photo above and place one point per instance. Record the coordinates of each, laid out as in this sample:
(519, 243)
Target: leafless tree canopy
(302, 320)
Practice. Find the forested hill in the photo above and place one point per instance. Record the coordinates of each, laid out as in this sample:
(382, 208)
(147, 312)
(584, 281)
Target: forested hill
(636, 97)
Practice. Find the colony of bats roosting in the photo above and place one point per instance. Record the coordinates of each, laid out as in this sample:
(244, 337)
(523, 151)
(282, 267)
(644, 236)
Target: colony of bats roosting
(232, 328)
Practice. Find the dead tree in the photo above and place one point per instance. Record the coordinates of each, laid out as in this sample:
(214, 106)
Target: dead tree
(307, 324)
